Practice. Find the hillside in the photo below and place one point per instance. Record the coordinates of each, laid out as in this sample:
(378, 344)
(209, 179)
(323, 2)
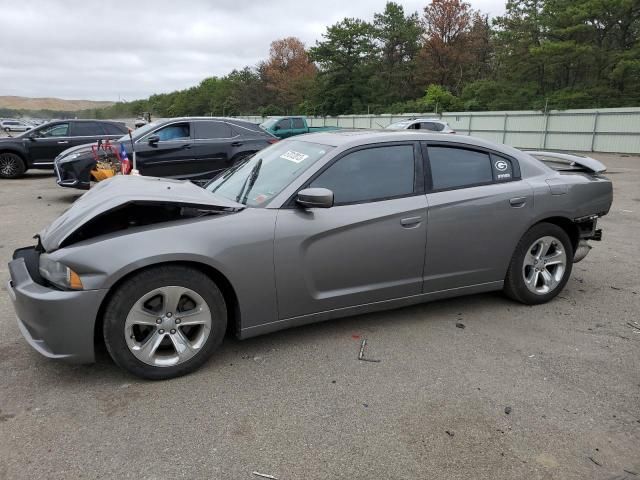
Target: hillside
(58, 104)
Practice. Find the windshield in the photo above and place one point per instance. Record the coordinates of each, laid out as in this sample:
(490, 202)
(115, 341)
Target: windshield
(398, 126)
(264, 175)
(141, 132)
(267, 124)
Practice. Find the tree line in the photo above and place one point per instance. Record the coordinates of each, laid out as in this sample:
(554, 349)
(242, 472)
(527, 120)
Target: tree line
(541, 54)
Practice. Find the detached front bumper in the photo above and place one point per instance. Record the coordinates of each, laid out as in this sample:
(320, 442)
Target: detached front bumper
(58, 324)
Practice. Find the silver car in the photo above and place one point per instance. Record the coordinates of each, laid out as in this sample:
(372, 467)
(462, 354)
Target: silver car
(429, 124)
(309, 229)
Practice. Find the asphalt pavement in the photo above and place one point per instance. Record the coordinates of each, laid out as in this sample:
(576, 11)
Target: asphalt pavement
(544, 392)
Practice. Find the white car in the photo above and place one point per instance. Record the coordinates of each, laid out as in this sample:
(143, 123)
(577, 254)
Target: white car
(431, 124)
(15, 126)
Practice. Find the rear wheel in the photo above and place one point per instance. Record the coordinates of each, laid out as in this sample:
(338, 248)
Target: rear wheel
(165, 322)
(11, 165)
(541, 265)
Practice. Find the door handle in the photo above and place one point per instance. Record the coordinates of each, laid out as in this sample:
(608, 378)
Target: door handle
(187, 146)
(517, 202)
(236, 144)
(410, 221)
(63, 142)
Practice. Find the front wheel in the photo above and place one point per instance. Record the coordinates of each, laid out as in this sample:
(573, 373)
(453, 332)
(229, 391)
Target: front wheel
(540, 266)
(164, 322)
(11, 165)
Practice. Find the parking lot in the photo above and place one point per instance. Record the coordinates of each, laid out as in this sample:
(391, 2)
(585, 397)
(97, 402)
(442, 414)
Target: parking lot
(475, 387)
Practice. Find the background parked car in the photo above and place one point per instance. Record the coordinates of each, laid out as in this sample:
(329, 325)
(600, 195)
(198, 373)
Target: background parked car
(192, 148)
(15, 126)
(284, 127)
(431, 124)
(37, 148)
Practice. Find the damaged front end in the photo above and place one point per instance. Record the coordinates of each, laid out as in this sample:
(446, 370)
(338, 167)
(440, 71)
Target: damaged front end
(126, 202)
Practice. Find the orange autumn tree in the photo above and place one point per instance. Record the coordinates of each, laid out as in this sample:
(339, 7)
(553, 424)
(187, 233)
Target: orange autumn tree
(456, 44)
(289, 72)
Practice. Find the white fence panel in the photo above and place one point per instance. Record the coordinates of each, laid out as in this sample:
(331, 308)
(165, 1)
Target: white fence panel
(603, 130)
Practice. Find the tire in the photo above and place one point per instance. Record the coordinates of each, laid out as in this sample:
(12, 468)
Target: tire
(541, 265)
(145, 337)
(11, 165)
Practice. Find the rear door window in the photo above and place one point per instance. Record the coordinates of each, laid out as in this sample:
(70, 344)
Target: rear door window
(211, 130)
(112, 129)
(297, 123)
(453, 167)
(87, 129)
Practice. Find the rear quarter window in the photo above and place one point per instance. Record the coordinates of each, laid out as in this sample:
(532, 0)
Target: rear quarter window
(502, 168)
(453, 167)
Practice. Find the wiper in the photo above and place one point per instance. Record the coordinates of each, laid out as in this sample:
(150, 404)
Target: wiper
(249, 182)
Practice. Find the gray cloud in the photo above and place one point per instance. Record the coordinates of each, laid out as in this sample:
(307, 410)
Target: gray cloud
(110, 49)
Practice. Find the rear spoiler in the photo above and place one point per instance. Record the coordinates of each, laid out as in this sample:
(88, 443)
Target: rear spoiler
(568, 162)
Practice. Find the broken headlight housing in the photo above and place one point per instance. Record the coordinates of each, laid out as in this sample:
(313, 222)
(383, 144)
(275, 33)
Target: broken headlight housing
(58, 274)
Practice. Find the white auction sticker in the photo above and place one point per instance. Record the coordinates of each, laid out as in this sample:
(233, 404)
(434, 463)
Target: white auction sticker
(295, 157)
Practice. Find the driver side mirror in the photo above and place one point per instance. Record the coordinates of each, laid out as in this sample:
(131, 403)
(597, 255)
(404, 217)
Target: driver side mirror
(315, 198)
(33, 135)
(153, 139)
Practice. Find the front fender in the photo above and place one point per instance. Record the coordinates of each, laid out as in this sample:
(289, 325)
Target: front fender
(239, 246)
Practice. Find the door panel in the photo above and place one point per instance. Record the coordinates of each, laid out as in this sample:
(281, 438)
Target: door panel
(473, 233)
(349, 255)
(54, 140)
(209, 157)
(171, 158)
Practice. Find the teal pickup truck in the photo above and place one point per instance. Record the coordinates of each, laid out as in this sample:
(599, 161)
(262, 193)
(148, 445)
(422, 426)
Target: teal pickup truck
(283, 127)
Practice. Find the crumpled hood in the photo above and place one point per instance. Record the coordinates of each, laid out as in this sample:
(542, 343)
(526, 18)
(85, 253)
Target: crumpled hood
(121, 190)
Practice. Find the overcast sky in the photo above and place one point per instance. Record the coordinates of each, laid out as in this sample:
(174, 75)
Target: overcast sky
(105, 50)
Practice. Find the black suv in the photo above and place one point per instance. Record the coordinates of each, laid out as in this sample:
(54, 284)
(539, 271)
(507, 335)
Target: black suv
(189, 148)
(37, 148)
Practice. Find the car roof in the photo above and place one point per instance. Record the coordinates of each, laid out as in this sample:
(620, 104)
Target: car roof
(355, 138)
(220, 119)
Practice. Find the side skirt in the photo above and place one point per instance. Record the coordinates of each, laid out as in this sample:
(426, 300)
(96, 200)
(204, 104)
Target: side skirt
(367, 308)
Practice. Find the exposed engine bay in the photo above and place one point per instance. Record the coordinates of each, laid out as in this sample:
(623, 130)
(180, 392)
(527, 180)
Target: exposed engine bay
(137, 214)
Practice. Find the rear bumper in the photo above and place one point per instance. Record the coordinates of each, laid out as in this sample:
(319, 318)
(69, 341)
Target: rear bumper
(57, 324)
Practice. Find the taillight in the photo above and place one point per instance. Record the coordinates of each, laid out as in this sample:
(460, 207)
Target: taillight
(273, 140)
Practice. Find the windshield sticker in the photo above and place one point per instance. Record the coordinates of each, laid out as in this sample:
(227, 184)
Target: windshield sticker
(295, 157)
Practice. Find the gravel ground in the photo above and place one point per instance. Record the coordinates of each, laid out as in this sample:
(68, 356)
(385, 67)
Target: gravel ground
(298, 404)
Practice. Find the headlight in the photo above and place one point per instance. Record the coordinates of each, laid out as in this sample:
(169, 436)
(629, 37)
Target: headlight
(59, 274)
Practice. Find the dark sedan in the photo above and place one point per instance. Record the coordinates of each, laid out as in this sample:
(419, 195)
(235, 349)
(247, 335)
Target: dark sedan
(192, 148)
(37, 148)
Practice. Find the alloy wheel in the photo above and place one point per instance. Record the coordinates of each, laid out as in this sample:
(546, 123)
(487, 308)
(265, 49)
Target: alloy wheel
(167, 326)
(544, 265)
(8, 166)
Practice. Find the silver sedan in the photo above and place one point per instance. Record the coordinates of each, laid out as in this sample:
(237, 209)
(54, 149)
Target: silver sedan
(309, 229)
